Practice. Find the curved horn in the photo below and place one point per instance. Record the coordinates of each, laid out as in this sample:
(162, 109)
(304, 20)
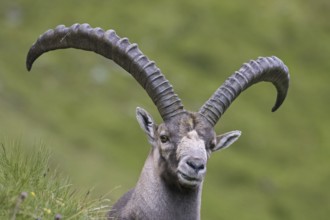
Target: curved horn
(121, 51)
(270, 69)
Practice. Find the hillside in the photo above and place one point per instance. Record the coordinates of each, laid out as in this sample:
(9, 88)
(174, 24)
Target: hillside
(83, 105)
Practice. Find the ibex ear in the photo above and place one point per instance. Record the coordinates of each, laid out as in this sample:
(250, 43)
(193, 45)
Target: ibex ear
(146, 123)
(225, 140)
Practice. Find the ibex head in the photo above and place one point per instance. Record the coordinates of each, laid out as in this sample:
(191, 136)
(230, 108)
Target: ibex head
(182, 144)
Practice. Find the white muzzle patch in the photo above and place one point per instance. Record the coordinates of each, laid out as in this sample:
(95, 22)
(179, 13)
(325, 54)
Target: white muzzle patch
(192, 157)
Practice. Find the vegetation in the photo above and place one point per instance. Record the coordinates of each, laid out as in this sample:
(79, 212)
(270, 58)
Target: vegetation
(84, 105)
(30, 189)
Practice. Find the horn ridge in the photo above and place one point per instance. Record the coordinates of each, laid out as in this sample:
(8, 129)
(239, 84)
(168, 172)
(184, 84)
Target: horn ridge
(269, 69)
(120, 50)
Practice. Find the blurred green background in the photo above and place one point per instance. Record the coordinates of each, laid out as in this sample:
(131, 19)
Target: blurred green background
(83, 106)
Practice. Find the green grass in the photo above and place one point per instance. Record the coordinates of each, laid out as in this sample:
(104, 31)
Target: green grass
(30, 188)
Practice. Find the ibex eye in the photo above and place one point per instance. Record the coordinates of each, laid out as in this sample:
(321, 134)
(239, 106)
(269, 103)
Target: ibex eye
(163, 138)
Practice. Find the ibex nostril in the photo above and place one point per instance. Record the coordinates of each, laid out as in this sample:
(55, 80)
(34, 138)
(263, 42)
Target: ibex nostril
(196, 165)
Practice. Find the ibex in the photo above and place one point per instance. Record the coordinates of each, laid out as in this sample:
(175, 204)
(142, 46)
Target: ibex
(170, 184)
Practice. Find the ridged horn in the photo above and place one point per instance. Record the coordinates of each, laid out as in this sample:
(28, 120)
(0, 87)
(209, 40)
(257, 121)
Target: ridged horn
(269, 69)
(121, 51)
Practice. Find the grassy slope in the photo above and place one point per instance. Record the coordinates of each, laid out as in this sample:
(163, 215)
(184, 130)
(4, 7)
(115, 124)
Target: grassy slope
(277, 170)
(30, 188)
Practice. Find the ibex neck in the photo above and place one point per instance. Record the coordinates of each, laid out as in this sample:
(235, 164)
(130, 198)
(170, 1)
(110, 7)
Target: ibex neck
(160, 201)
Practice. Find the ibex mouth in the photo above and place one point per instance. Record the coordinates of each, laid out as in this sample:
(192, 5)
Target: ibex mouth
(187, 180)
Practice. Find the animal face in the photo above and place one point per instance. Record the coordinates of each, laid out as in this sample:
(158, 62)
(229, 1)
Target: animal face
(182, 146)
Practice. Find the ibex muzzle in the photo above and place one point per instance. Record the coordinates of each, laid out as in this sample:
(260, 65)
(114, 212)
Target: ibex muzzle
(170, 182)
